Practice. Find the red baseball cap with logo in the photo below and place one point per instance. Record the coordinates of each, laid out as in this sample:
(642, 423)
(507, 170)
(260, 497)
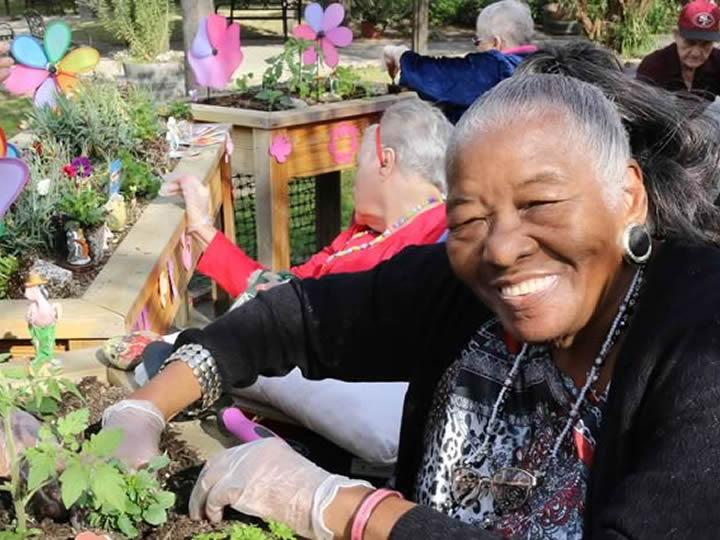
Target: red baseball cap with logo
(700, 19)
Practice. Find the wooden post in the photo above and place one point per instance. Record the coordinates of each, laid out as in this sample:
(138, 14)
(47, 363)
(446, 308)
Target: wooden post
(421, 18)
(327, 207)
(226, 220)
(193, 12)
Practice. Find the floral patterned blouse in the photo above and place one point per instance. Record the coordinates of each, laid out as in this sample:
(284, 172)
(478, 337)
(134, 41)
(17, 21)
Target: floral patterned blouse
(533, 415)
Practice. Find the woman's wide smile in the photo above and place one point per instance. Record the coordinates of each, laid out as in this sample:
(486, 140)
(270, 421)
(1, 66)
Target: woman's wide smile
(521, 294)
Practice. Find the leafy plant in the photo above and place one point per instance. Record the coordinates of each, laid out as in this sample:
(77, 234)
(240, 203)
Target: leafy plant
(180, 110)
(144, 117)
(92, 481)
(138, 179)
(96, 122)
(8, 266)
(346, 82)
(83, 204)
(244, 531)
(144, 25)
(36, 389)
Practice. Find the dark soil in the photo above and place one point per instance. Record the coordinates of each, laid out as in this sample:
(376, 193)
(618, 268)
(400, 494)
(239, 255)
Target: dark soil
(179, 475)
(247, 100)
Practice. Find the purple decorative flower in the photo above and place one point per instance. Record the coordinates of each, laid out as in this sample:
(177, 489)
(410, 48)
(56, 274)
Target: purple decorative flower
(324, 27)
(82, 166)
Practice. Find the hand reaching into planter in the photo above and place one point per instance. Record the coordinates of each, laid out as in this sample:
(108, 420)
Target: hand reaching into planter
(25, 432)
(5, 61)
(391, 59)
(197, 205)
(268, 479)
(142, 424)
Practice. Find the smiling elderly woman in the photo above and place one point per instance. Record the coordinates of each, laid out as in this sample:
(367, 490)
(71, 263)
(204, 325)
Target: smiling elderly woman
(564, 366)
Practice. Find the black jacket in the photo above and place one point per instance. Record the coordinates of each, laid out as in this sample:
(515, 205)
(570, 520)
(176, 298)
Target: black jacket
(657, 465)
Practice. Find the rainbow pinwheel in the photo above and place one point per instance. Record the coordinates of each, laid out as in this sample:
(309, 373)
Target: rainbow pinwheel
(14, 175)
(215, 53)
(46, 68)
(324, 27)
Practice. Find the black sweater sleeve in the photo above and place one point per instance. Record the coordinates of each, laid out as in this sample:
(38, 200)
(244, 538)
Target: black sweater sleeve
(669, 486)
(365, 326)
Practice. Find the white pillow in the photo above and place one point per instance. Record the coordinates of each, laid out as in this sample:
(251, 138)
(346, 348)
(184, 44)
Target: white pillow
(362, 418)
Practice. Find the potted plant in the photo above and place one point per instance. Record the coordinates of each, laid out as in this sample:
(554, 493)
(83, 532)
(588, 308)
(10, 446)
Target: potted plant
(82, 210)
(144, 26)
(375, 15)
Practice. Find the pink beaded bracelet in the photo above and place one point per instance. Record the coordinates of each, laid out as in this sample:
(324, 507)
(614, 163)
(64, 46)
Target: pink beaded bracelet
(362, 515)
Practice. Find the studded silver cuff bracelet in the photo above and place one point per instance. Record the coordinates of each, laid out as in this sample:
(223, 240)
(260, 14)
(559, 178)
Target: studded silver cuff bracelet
(203, 367)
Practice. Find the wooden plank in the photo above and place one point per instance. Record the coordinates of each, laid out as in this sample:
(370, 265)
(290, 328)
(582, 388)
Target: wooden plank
(421, 24)
(129, 282)
(311, 144)
(243, 161)
(315, 113)
(327, 207)
(263, 198)
(280, 193)
(80, 320)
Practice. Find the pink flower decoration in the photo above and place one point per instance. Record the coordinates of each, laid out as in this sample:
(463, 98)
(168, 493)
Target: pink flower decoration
(343, 143)
(324, 27)
(215, 53)
(280, 148)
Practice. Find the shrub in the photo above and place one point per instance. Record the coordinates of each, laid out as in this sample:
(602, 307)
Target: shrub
(628, 26)
(144, 25)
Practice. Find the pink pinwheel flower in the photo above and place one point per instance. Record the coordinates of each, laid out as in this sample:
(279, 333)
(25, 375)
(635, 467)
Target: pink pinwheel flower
(215, 53)
(324, 27)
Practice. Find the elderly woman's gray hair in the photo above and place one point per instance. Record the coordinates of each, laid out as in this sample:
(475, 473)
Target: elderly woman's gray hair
(419, 134)
(591, 121)
(677, 149)
(510, 20)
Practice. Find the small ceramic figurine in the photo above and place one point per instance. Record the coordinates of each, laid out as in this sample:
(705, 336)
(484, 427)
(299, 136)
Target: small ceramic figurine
(78, 248)
(173, 137)
(41, 318)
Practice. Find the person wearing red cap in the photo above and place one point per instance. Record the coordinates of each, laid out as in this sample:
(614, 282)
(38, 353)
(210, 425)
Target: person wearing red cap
(691, 63)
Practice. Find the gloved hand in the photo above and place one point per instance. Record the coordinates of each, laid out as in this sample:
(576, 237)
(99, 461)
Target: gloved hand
(268, 479)
(142, 424)
(197, 199)
(391, 58)
(5, 61)
(25, 434)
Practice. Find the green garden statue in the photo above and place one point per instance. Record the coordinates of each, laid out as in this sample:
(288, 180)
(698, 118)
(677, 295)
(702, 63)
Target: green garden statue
(41, 317)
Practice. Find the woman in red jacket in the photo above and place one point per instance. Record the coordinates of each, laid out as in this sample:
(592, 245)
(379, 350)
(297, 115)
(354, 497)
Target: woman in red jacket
(399, 201)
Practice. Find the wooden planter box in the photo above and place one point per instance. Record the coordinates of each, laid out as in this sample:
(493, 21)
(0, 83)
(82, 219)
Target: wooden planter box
(126, 293)
(324, 140)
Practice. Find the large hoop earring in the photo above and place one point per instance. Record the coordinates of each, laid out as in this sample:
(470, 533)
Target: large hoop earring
(636, 243)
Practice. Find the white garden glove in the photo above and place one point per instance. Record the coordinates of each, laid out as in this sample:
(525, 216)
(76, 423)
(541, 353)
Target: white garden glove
(25, 434)
(268, 479)
(391, 58)
(142, 424)
(197, 199)
(5, 60)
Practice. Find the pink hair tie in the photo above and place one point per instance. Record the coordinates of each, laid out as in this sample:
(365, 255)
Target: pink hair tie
(367, 507)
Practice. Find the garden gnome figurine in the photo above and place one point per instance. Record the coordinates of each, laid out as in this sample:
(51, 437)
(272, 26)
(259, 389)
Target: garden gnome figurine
(41, 318)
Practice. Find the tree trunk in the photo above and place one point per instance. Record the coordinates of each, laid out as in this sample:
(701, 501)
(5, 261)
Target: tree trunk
(421, 18)
(193, 12)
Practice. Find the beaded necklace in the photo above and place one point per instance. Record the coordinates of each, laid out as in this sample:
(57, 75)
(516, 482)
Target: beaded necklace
(432, 202)
(466, 480)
